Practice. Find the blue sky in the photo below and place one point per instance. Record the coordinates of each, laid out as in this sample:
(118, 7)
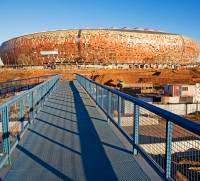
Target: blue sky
(18, 17)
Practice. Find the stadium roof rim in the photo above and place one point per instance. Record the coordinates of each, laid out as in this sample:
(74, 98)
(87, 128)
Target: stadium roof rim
(93, 29)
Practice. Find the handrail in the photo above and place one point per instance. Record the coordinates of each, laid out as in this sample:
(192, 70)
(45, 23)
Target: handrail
(17, 97)
(183, 122)
(22, 84)
(29, 78)
(20, 110)
(98, 91)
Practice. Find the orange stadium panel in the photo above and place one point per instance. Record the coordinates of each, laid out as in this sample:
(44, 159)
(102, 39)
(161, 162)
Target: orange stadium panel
(100, 45)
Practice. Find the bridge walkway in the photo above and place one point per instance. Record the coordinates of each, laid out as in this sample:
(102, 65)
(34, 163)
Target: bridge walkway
(71, 140)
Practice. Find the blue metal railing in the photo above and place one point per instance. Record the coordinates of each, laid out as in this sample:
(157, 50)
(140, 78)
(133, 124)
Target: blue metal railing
(168, 142)
(18, 112)
(22, 84)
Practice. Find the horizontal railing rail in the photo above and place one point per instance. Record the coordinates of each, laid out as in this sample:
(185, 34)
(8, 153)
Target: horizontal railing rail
(29, 78)
(168, 142)
(22, 84)
(18, 112)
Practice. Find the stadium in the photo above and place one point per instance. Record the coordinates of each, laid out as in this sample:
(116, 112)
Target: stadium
(100, 46)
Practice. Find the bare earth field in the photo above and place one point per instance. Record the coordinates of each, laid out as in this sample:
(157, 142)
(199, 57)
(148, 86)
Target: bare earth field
(156, 77)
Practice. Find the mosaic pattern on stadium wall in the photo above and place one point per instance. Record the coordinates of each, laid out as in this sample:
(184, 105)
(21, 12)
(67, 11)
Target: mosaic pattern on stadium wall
(100, 46)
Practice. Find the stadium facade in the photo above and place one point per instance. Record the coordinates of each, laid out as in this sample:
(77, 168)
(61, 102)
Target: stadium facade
(100, 46)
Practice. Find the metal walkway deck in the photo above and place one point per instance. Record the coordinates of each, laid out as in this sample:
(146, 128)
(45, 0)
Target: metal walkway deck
(71, 140)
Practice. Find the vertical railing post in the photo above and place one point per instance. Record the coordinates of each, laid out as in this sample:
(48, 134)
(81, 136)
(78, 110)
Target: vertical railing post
(90, 88)
(96, 95)
(21, 113)
(102, 97)
(45, 92)
(93, 90)
(5, 136)
(109, 105)
(86, 85)
(99, 96)
(31, 106)
(135, 128)
(169, 131)
(36, 101)
(42, 95)
(119, 110)
(81, 79)
(40, 99)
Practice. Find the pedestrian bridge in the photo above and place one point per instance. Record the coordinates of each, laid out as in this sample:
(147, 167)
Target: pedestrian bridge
(81, 130)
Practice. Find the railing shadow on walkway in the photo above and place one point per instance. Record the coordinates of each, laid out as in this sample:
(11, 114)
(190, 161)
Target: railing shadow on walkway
(42, 163)
(59, 109)
(56, 126)
(59, 100)
(52, 99)
(53, 114)
(93, 155)
(96, 164)
(53, 141)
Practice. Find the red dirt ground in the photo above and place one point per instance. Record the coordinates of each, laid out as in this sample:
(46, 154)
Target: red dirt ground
(157, 77)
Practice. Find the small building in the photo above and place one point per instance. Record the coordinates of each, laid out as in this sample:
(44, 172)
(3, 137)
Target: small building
(180, 93)
(172, 90)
